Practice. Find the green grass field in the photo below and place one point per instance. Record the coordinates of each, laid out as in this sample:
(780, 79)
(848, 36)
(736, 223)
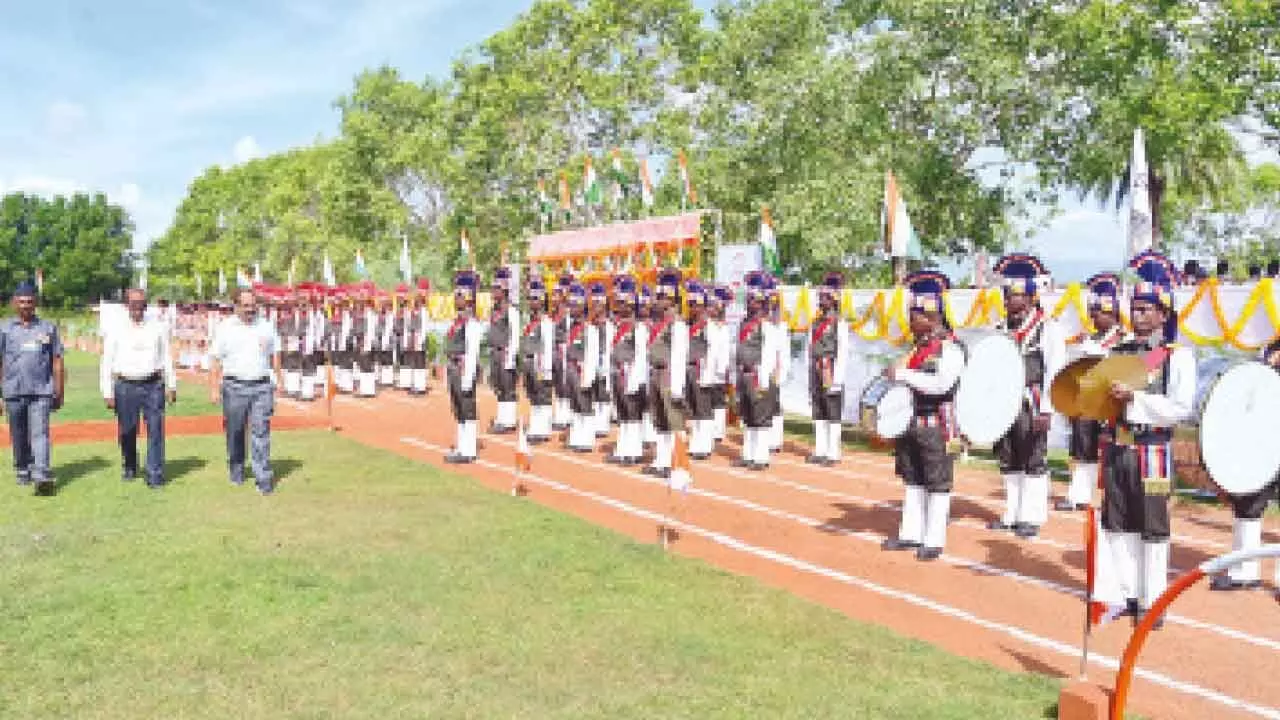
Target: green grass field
(371, 586)
(84, 401)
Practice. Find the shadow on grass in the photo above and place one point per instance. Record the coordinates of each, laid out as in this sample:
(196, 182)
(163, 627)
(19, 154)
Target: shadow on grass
(284, 468)
(181, 467)
(64, 475)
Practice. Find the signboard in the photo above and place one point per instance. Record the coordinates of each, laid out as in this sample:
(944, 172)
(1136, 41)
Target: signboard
(733, 262)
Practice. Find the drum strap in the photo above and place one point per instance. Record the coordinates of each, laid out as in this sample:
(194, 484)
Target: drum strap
(457, 323)
(923, 352)
(747, 328)
(623, 329)
(820, 331)
(658, 328)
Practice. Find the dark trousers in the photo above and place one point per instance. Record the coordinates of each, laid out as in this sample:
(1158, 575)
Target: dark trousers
(247, 408)
(755, 407)
(364, 361)
(698, 398)
(463, 403)
(536, 389)
(719, 396)
(1253, 505)
(1128, 503)
(1084, 440)
(416, 359)
(921, 458)
(630, 407)
(1022, 449)
(580, 398)
(145, 399)
(29, 435)
(291, 361)
(502, 381)
(667, 415)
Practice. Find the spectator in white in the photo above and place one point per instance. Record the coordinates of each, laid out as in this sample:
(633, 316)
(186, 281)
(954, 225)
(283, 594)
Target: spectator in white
(135, 376)
(246, 367)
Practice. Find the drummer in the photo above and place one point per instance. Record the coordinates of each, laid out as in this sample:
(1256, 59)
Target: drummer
(1104, 313)
(828, 356)
(1024, 448)
(924, 456)
(755, 363)
(1137, 464)
(1246, 514)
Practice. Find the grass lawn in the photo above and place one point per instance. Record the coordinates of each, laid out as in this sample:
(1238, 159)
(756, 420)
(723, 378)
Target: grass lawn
(84, 401)
(371, 586)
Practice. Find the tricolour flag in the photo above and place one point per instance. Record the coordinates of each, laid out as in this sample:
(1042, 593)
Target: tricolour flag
(590, 184)
(293, 270)
(1141, 230)
(566, 200)
(896, 232)
(199, 287)
(406, 267)
(40, 280)
(330, 278)
(222, 282)
(646, 185)
(257, 273)
(768, 241)
(242, 278)
(544, 201)
(618, 177)
(360, 269)
(690, 193)
(464, 243)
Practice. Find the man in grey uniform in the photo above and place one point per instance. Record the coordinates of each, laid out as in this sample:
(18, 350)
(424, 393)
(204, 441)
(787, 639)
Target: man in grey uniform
(31, 365)
(246, 364)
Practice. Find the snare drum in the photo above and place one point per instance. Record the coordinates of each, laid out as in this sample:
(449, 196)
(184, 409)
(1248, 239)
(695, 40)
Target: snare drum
(992, 385)
(886, 408)
(1237, 407)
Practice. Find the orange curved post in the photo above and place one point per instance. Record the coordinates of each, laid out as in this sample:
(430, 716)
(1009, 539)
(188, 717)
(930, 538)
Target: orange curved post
(1124, 678)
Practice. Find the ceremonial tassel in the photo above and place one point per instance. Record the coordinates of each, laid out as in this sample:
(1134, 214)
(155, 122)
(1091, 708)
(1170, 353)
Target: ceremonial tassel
(523, 459)
(330, 389)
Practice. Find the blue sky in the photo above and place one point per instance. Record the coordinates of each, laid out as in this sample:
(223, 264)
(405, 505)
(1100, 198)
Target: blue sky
(136, 98)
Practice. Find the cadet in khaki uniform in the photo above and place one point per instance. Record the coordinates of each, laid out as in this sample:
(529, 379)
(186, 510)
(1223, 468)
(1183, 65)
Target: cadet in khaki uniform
(828, 360)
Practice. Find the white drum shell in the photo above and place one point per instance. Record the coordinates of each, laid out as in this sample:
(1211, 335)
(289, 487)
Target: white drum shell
(891, 407)
(1237, 418)
(992, 386)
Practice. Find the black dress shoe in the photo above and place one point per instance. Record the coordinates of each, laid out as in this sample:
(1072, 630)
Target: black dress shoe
(896, 544)
(613, 459)
(759, 467)
(24, 481)
(699, 456)
(128, 476)
(1224, 583)
(740, 463)
(828, 462)
(998, 525)
(1137, 619)
(456, 459)
(1026, 530)
(813, 459)
(46, 488)
(928, 553)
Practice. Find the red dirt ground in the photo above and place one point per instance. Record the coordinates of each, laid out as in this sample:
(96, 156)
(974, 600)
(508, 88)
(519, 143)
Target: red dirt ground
(105, 430)
(816, 532)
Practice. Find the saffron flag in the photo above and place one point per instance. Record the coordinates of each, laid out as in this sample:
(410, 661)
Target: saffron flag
(768, 241)
(681, 470)
(524, 456)
(646, 185)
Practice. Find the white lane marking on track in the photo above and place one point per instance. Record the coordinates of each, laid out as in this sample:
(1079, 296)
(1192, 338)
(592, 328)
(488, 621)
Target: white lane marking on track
(1017, 633)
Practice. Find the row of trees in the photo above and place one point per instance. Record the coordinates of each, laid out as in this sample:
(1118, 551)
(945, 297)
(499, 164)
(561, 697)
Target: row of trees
(983, 109)
(78, 246)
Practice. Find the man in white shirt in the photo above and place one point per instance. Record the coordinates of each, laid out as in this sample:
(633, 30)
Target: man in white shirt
(246, 365)
(135, 375)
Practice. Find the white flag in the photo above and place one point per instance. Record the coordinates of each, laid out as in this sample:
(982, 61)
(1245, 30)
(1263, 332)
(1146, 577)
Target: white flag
(406, 269)
(199, 287)
(222, 282)
(1141, 231)
(257, 273)
(330, 278)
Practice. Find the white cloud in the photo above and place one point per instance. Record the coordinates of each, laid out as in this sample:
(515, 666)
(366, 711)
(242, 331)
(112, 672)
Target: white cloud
(246, 149)
(64, 118)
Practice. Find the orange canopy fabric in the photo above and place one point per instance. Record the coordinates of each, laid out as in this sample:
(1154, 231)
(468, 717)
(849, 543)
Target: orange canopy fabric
(617, 239)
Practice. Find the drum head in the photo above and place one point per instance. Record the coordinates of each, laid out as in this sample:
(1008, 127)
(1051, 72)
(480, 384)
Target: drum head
(894, 411)
(1237, 428)
(991, 388)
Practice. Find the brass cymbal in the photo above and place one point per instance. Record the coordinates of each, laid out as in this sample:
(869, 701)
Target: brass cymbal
(1094, 399)
(1066, 385)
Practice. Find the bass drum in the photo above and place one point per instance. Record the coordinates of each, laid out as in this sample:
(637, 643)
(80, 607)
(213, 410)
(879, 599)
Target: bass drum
(992, 385)
(1236, 418)
(886, 408)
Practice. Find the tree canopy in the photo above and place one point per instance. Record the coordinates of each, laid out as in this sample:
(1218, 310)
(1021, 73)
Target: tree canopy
(78, 245)
(980, 109)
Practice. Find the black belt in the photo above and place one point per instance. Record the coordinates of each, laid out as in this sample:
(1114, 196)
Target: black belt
(255, 381)
(153, 377)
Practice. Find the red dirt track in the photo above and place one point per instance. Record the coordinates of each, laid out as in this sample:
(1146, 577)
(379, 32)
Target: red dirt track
(105, 430)
(816, 532)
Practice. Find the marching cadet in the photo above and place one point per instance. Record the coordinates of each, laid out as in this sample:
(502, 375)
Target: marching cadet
(385, 341)
(537, 358)
(628, 350)
(828, 358)
(291, 327)
(598, 313)
(366, 334)
(923, 456)
(668, 365)
(704, 356)
(503, 336)
(462, 351)
(415, 339)
(1246, 515)
(1137, 462)
(406, 311)
(1104, 313)
(644, 313)
(341, 325)
(1023, 450)
(780, 341)
(582, 353)
(562, 414)
(721, 296)
(756, 366)
(313, 343)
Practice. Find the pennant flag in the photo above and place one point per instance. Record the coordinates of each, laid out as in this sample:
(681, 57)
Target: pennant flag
(896, 232)
(1141, 230)
(566, 200)
(222, 282)
(293, 269)
(681, 470)
(544, 201)
(330, 278)
(590, 184)
(524, 456)
(360, 269)
(257, 273)
(465, 244)
(40, 280)
(690, 193)
(406, 268)
(646, 186)
(619, 178)
(768, 242)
